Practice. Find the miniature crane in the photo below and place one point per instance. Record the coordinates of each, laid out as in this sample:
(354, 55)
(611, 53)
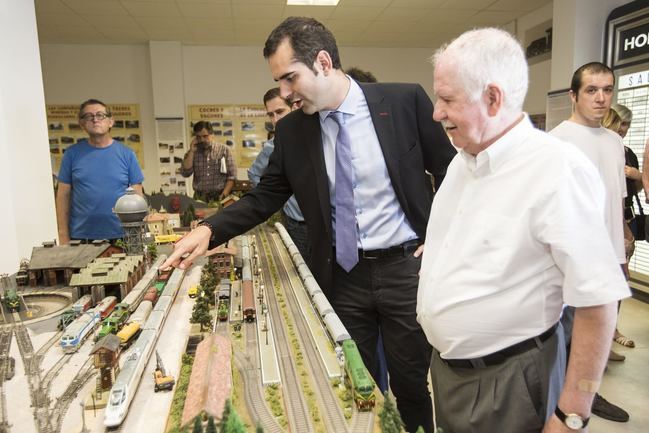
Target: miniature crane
(160, 377)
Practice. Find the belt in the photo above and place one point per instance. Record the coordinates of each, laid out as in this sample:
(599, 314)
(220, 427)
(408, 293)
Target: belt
(397, 250)
(502, 355)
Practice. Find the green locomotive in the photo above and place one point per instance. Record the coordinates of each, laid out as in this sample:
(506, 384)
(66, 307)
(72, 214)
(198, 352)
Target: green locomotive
(223, 310)
(113, 323)
(358, 378)
(12, 300)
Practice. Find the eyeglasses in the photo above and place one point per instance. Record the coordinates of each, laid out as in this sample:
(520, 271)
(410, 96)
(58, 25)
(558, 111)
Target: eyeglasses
(99, 116)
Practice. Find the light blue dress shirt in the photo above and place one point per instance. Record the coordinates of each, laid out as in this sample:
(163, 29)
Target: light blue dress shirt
(380, 220)
(256, 170)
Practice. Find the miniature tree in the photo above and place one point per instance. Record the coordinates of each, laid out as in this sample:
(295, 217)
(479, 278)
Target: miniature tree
(389, 418)
(210, 268)
(119, 243)
(211, 425)
(208, 291)
(152, 249)
(230, 421)
(188, 216)
(201, 312)
(198, 425)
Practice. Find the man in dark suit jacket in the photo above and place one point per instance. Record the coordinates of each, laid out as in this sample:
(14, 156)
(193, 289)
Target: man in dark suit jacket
(394, 141)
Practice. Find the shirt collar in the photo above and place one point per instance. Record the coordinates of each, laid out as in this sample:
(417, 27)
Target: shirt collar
(350, 103)
(490, 159)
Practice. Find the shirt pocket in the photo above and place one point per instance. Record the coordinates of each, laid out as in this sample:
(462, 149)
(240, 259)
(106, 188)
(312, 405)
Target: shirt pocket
(489, 241)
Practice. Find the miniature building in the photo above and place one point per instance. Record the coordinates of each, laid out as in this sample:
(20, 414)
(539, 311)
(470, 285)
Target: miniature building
(162, 223)
(53, 264)
(227, 201)
(131, 208)
(117, 274)
(210, 383)
(222, 257)
(106, 355)
(157, 223)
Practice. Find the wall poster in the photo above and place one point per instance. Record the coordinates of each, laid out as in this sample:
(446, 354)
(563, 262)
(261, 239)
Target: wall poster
(171, 149)
(64, 129)
(241, 127)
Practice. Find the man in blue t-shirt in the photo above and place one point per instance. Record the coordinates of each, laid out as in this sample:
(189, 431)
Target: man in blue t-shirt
(94, 173)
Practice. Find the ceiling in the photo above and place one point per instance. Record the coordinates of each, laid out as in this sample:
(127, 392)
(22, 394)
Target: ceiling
(370, 23)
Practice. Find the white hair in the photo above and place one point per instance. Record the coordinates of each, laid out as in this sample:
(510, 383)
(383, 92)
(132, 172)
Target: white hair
(488, 56)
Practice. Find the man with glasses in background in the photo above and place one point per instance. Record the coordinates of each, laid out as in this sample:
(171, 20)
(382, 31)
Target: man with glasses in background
(94, 173)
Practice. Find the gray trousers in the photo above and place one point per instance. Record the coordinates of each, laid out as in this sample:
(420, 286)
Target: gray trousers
(517, 396)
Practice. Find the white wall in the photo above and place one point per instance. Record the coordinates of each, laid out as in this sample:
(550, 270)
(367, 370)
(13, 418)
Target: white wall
(110, 73)
(539, 72)
(211, 74)
(27, 214)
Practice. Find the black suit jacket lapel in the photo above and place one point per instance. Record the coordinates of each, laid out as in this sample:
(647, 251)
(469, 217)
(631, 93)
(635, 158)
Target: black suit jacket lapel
(313, 140)
(381, 113)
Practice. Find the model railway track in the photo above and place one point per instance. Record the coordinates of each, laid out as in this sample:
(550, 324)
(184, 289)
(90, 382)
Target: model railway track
(329, 403)
(40, 353)
(39, 399)
(298, 411)
(362, 422)
(62, 405)
(254, 395)
(6, 335)
(26, 349)
(53, 372)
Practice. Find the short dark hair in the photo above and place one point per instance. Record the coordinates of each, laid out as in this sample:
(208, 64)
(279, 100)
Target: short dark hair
(307, 37)
(199, 126)
(360, 75)
(87, 102)
(593, 68)
(274, 93)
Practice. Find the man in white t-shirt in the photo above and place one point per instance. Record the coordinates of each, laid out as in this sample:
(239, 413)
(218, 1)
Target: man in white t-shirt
(591, 91)
(515, 230)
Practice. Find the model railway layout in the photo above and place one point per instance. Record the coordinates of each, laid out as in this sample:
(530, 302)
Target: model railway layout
(275, 290)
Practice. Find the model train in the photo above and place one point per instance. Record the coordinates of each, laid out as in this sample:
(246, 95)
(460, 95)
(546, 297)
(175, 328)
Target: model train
(247, 293)
(11, 299)
(128, 380)
(361, 382)
(78, 330)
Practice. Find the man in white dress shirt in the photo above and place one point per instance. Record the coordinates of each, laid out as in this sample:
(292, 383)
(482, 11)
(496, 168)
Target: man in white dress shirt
(516, 230)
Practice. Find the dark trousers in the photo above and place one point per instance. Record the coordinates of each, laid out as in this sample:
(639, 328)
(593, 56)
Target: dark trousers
(381, 294)
(517, 396)
(298, 232)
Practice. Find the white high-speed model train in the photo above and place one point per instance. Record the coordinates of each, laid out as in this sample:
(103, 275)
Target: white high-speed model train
(128, 380)
(332, 322)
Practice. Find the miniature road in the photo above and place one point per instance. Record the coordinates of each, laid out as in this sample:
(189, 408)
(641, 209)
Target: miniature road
(329, 402)
(297, 411)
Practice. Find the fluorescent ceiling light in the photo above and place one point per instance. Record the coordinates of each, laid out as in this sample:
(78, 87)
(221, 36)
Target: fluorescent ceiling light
(312, 2)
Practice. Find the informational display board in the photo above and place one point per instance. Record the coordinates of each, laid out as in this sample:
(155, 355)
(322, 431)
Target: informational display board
(241, 127)
(64, 129)
(627, 53)
(170, 134)
(637, 100)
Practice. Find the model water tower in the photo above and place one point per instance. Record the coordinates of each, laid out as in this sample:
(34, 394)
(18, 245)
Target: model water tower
(131, 208)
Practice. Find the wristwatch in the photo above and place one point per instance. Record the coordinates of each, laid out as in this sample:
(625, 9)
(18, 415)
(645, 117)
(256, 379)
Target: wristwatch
(571, 420)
